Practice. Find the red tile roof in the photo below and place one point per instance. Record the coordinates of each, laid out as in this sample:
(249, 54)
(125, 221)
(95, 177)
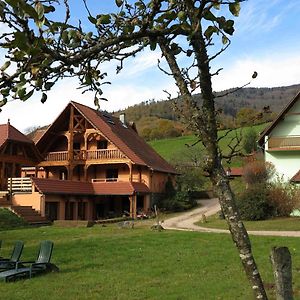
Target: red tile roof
(122, 136)
(296, 177)
(53, 186)
(8, 132)
(236, 171)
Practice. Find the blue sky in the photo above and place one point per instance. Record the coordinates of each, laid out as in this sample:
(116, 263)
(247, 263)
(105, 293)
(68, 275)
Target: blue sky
(267, 39)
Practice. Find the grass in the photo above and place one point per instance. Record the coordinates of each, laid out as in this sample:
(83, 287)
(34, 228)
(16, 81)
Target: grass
(276, 224)
(112, 263)
(9, 220)
(172, 147)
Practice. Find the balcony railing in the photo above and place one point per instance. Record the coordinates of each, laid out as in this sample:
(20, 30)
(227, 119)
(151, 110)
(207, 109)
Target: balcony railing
(57, 156)
(103, 154)
(290, 142)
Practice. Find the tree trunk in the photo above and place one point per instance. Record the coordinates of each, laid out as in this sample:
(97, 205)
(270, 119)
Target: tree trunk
(238, 233)
(282, 269)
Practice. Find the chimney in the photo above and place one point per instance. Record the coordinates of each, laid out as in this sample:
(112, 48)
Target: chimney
(122, 118)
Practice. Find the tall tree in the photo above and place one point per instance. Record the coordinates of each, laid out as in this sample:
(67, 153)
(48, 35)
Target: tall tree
(43, 50)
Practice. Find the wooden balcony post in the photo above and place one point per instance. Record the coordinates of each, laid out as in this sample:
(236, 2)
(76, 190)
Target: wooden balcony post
(130, 171)
(132, 200)
(2, 179)
(71, 134)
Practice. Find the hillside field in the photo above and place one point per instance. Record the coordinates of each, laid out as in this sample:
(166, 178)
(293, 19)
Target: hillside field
(172, 147)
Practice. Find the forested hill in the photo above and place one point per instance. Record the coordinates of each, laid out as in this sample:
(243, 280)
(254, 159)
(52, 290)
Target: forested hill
(157, 119)
(257, 98)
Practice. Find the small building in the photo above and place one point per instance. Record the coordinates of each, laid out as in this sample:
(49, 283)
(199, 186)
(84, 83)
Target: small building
(281, 141)
(16, 151)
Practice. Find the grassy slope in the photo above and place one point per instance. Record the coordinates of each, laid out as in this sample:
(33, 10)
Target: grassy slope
(112, 263)
(168, 148)
(9, 220)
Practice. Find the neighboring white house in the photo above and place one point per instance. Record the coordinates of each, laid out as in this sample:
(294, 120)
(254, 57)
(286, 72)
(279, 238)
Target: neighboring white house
(281, 141)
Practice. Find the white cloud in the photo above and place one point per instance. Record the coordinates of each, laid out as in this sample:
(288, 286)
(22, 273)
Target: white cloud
(273, 70)
(264, 16)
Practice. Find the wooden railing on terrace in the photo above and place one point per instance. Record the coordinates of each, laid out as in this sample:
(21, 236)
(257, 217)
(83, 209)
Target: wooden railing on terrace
(284, 142)
(85, 155)
(19, 185)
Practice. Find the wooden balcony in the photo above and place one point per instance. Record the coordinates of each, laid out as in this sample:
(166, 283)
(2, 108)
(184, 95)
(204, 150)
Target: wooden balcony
(104, 154)
(82, 155)
(284, 143)
(57, 156)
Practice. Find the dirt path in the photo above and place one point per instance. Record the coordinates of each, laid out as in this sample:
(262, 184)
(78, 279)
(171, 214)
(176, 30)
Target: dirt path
(185, 221)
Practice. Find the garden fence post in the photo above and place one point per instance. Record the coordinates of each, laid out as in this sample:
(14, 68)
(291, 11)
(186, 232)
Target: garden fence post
(282, 270)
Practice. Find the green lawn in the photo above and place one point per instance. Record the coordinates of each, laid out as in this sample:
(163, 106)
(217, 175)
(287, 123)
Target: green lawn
(277, 224)
(168, 148)
(112, 263)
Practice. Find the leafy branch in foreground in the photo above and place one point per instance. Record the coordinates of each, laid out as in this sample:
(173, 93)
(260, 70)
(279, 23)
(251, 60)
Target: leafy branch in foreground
(43, 50)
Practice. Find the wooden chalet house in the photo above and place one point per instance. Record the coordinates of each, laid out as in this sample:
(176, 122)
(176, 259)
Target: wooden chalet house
(93, 166)
(16, 151)
(281, 141)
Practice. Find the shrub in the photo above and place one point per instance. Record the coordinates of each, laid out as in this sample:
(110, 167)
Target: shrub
(253, 203)
(283, 197)
(250, 141)
(258, 172)
(181, 201)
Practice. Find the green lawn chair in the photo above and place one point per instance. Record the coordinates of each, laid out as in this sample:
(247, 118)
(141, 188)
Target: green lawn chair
(10, 263)
(27, 269)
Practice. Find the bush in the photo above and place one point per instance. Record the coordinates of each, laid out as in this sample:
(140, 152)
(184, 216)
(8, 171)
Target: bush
(283, 197)
(181, 201)
(258, 172)
(253, 204)
(250, 141)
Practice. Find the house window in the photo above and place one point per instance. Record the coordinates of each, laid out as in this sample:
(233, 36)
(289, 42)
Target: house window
(111, 174)
(102, 144)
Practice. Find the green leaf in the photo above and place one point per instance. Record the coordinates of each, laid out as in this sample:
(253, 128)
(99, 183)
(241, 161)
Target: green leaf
(44, 98)
(182, 15)
(28, 95)
(235, 8)
(217, 6)
(21, 93)
(228, 27)
(39, 8)
(5, 66)
(5, 92)
(65, 37)
(48, 9)
(119, 3)
(210, 31)
(96, 102)
(152, 45)
(208, 15)
(92, 20)
(103, 19)
(224, 39)
(3, 102)
(48, 85)
(189, 53)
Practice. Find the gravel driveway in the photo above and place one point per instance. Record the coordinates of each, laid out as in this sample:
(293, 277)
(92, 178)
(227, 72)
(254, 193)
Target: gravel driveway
(186, 220)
